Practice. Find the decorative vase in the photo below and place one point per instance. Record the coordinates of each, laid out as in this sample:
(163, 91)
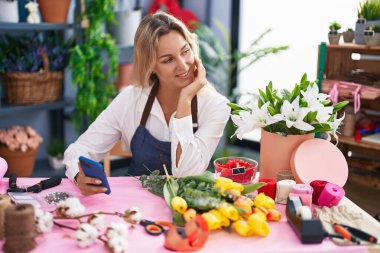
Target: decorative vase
(21, 163)
(56, 163)
(276, 152)
(54, 11)
(348, 36)
(125, 29)
(334, 39)
(8, 11)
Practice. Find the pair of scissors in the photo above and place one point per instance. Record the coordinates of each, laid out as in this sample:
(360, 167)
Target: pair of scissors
(160, 227)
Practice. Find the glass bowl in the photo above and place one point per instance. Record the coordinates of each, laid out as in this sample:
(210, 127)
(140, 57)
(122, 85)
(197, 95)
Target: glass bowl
(239, 169)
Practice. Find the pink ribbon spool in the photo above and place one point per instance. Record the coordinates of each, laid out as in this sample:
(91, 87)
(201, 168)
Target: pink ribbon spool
(305, 192)
(331, 195)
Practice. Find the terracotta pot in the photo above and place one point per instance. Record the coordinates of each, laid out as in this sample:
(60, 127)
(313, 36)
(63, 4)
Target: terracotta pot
(21, 163)
(276, 152)
(54, 11)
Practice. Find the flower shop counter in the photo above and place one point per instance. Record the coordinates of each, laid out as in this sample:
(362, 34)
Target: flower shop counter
(128, 192)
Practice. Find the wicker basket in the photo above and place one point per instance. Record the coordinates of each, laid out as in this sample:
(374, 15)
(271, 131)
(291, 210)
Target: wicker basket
(33, 88)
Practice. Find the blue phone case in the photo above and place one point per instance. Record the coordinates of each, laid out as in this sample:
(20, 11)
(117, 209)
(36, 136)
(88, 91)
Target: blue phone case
(95, 170)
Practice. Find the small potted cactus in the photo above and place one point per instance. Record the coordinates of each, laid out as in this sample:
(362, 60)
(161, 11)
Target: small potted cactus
(372, 35)
(348, 35)
(334, 34)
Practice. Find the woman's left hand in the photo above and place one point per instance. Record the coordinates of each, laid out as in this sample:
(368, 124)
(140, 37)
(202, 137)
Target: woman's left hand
(200, 80)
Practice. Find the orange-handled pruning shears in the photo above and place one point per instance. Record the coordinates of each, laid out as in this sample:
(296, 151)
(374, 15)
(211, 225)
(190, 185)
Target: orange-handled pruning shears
(155, 227)
(345, 233)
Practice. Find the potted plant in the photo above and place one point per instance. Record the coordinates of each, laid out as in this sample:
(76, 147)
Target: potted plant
(32, 68)
(19, 146)
(368, 14)
(287, 118)
(348, 35)
(93, 64)
(334, 34)
(372, 35)
(55, 150)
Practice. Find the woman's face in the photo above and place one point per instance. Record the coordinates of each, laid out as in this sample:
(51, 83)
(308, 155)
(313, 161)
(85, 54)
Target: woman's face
(175, 61)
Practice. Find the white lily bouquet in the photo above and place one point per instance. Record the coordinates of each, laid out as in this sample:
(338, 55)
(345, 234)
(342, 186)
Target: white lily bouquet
(301, 111)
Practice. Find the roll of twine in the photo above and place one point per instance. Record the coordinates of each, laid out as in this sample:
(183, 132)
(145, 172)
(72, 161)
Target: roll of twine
(318, 186)
(270, 188)
(20, 229)
(5, 201)
(284, 187)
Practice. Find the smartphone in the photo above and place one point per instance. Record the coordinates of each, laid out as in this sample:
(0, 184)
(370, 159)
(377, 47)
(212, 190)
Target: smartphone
(95, 170)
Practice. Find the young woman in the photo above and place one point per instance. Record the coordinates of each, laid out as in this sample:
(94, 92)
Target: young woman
(171, 115)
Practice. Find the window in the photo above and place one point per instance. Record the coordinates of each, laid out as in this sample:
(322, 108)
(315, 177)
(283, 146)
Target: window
(302, 25)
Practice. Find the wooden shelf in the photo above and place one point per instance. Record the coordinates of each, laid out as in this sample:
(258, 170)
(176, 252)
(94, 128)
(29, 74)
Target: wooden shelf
(23, 26)
(367, 92)
(362, 144)
(370, 166)
(353, 46)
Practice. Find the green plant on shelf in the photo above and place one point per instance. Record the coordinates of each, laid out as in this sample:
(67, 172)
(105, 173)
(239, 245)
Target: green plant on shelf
(370, 10)
(334, 26)
(56, 148)
(94, 64)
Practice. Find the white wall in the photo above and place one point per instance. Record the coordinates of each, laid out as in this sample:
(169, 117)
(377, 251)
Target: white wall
(300, 24)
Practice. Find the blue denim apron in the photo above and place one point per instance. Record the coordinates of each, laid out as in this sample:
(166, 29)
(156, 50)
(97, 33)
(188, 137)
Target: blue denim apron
(148, 153)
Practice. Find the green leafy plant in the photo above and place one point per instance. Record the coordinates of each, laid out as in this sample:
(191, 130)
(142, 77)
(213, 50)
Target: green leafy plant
(220, 62)
(334, 26)
(301, 111)
(56, 148)
(375, 28)
(349, 29)
(370, 10)
(94, 63)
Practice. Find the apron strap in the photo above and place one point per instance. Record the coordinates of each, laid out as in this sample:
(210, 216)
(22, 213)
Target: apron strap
(149, 104)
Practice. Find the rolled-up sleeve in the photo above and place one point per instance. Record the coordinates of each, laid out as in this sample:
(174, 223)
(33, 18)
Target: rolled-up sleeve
(198, 148)
(98, 139)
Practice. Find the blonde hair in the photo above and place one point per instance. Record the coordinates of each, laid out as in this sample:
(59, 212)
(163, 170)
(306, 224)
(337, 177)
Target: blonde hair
(151, 28)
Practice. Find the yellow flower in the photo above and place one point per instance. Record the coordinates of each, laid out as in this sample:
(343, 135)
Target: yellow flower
(229, 211)
(245, 204)
(264, 201)
(243, 228)
(189, 214)
(179, 204)
(258, 224)
(212, 221)
(223, 184)
(224, 221)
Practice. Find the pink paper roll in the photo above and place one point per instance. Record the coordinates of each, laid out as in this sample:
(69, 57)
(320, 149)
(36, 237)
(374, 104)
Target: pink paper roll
(305, 192)
(331, 195)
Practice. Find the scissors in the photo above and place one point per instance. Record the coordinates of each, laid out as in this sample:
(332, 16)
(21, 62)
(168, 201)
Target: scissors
(158, 227)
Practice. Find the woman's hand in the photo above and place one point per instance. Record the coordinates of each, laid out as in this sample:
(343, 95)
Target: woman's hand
(88, 185)
(188, 92)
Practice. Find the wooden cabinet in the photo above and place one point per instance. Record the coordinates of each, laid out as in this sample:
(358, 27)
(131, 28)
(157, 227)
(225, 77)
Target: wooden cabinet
(359, 64)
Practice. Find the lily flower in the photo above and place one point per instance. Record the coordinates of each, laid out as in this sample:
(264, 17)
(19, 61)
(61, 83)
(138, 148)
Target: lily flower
(324, 113)
(248, 121)
(313, 97)
(293, 115)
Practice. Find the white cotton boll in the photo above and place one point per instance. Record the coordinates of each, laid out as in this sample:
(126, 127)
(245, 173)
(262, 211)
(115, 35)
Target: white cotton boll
(136, 215)
(117, 244)
(38, 211)
(116, 229)
(86, 235)
(45, 222)
(97, 220)
(70, 207)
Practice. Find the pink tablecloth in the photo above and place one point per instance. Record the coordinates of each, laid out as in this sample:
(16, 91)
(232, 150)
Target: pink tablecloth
(127, 192)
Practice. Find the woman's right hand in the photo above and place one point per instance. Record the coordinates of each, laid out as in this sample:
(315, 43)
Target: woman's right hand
(88, 185)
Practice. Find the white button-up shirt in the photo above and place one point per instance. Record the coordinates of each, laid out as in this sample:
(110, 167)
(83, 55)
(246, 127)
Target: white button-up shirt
(121, 118)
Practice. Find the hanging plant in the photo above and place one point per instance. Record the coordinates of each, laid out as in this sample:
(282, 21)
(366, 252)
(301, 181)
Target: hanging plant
(93, 63)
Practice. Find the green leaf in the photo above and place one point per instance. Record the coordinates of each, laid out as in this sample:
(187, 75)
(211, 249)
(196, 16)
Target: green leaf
(248, 188)
(340, 105)
(286, 94)
(311, 116)
(271, 110)
(178, 219)
(268, 90)
(170, 191)
(295, 93)
(238, 107)
(263, 96)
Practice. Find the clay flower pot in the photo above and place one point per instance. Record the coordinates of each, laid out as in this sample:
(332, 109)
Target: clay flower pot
(21, 163)
(54, 11)
(276, 152)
